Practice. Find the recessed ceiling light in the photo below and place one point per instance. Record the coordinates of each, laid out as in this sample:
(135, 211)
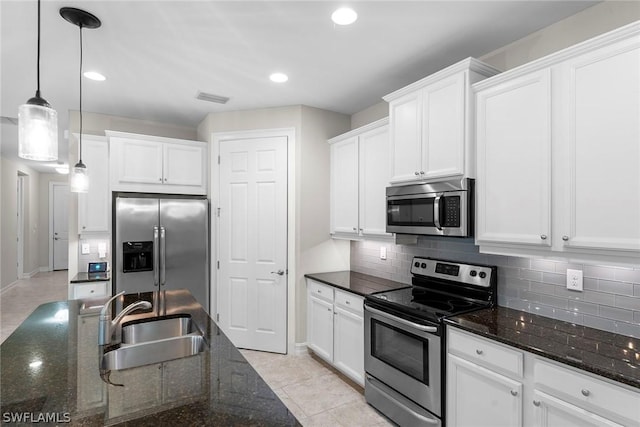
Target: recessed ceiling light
(344, 16)
(94, 75)
(279, 77)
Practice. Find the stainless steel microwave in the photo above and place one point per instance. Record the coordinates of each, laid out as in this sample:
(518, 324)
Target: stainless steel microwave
(443, 208)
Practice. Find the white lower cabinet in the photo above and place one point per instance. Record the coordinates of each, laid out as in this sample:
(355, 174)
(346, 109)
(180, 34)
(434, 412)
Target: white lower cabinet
(550, 411)
(91, 289)
(481, 397)
(492, 384)
(335, 328)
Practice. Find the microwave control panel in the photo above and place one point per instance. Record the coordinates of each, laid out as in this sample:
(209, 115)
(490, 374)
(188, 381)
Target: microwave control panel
(451, 212)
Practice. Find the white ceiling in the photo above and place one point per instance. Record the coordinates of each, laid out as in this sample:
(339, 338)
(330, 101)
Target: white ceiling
(157, 55)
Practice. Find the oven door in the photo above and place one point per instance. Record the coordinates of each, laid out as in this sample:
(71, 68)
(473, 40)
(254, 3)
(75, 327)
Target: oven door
(429, 213)
(405, 356)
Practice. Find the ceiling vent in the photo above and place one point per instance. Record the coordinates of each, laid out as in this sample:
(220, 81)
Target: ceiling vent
(212, 98)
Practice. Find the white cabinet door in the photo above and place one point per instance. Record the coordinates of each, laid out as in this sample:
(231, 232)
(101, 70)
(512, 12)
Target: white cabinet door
(374, 178)
(601, 91)
(478, 397)
(138, 161)
(405, 115)
(183, 165)
(349, 344)
(320, 327)
(344, 186)
(552, 412)
(514, 160)
(443, 128)
(94, 205)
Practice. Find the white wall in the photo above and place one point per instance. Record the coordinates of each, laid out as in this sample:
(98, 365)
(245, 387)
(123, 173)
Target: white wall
(9, 208)
(311, 249)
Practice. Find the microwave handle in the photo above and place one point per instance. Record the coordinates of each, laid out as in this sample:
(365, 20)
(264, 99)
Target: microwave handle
(436, 212)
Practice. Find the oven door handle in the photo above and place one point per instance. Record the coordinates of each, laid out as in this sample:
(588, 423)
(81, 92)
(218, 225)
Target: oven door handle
(423, 328)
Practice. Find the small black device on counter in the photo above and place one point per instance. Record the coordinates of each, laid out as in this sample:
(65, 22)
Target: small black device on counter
(97, 267)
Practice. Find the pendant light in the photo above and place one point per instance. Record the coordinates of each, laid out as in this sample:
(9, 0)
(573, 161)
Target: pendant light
(37, 123)
(79, 182)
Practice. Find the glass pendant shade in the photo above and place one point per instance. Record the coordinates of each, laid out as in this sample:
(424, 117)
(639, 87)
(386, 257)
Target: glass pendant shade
(37, 132)
(79, 181)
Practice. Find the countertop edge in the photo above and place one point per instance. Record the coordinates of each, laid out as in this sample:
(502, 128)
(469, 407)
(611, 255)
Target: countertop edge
(538, 352)
(377, 281)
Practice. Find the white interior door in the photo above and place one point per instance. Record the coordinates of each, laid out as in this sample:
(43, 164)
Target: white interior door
(252, 244)
(60, 226)
(20, 230)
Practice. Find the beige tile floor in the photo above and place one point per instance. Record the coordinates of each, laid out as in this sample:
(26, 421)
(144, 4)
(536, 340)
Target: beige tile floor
(314, 392)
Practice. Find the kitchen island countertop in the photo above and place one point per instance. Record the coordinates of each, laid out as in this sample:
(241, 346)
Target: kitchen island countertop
(610, 355)
(358, 283)
(49, 370)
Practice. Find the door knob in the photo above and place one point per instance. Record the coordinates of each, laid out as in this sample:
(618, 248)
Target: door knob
(279, 272)
(55, 238)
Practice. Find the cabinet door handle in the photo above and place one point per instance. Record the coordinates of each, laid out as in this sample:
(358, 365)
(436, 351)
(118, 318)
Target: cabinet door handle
(585, 392)
(565, 238)
(514, 393)
(421, 172)
(416, 173)
(160, 179)
(543, 236)
(479, 352)
(536, 403)
(328, 309)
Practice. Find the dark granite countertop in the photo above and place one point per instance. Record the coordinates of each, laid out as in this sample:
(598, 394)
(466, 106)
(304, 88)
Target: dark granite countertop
(358, 283)
(49, 371)
(603, 353)
(93, 277)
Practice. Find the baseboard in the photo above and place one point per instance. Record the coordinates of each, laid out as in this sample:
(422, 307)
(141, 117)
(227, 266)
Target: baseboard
(300, 348)
(7, 287)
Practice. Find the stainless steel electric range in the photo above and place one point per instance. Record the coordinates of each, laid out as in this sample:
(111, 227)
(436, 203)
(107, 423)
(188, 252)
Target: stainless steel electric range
(404, 337)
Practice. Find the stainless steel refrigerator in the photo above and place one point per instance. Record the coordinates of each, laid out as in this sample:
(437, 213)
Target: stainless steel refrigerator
(161, 243)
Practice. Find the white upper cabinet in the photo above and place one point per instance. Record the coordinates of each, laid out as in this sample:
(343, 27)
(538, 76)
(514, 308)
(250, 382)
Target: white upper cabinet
(600, 92)
(430, 124)
(155, 164)
(514, 159)
(559, 154)
(359, 177)
(94, 206)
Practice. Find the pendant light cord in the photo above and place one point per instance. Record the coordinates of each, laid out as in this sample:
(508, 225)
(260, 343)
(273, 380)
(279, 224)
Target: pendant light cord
(80, 158)
(38, 74)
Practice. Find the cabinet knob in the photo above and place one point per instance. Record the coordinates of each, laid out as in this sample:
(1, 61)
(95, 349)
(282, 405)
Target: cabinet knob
(536, 403)
(328, 309)
(416, 173)
(479, 352)
(355, 229)
(543, 236)
(421, 172)
(160, 179)
(514, 393)
(585, 392)
(565, 238)
(165, 180)
(348, 302)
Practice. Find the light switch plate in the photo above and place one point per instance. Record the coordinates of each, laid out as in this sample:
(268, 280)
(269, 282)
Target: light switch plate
(574, 280)
(85, 249)
(383, 252)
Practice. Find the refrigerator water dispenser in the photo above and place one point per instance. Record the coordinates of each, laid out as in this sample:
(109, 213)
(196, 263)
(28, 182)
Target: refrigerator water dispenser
(137, 256)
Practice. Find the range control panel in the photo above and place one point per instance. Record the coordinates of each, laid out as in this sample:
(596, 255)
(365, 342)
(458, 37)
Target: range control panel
(477, 275)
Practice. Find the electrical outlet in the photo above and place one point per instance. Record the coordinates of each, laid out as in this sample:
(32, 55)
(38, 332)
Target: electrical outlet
(85, 249)
(574, 280)
(383, 252)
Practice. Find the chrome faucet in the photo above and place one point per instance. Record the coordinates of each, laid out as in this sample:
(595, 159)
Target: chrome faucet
(106, 326)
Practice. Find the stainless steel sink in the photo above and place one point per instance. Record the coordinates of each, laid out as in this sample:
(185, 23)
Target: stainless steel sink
(150, 352)
(158, 329)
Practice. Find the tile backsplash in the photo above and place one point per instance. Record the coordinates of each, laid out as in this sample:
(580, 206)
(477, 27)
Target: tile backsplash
(610, 299)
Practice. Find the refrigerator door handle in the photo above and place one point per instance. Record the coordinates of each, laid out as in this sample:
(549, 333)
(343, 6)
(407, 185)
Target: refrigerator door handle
(163, 251)
(156, 271)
